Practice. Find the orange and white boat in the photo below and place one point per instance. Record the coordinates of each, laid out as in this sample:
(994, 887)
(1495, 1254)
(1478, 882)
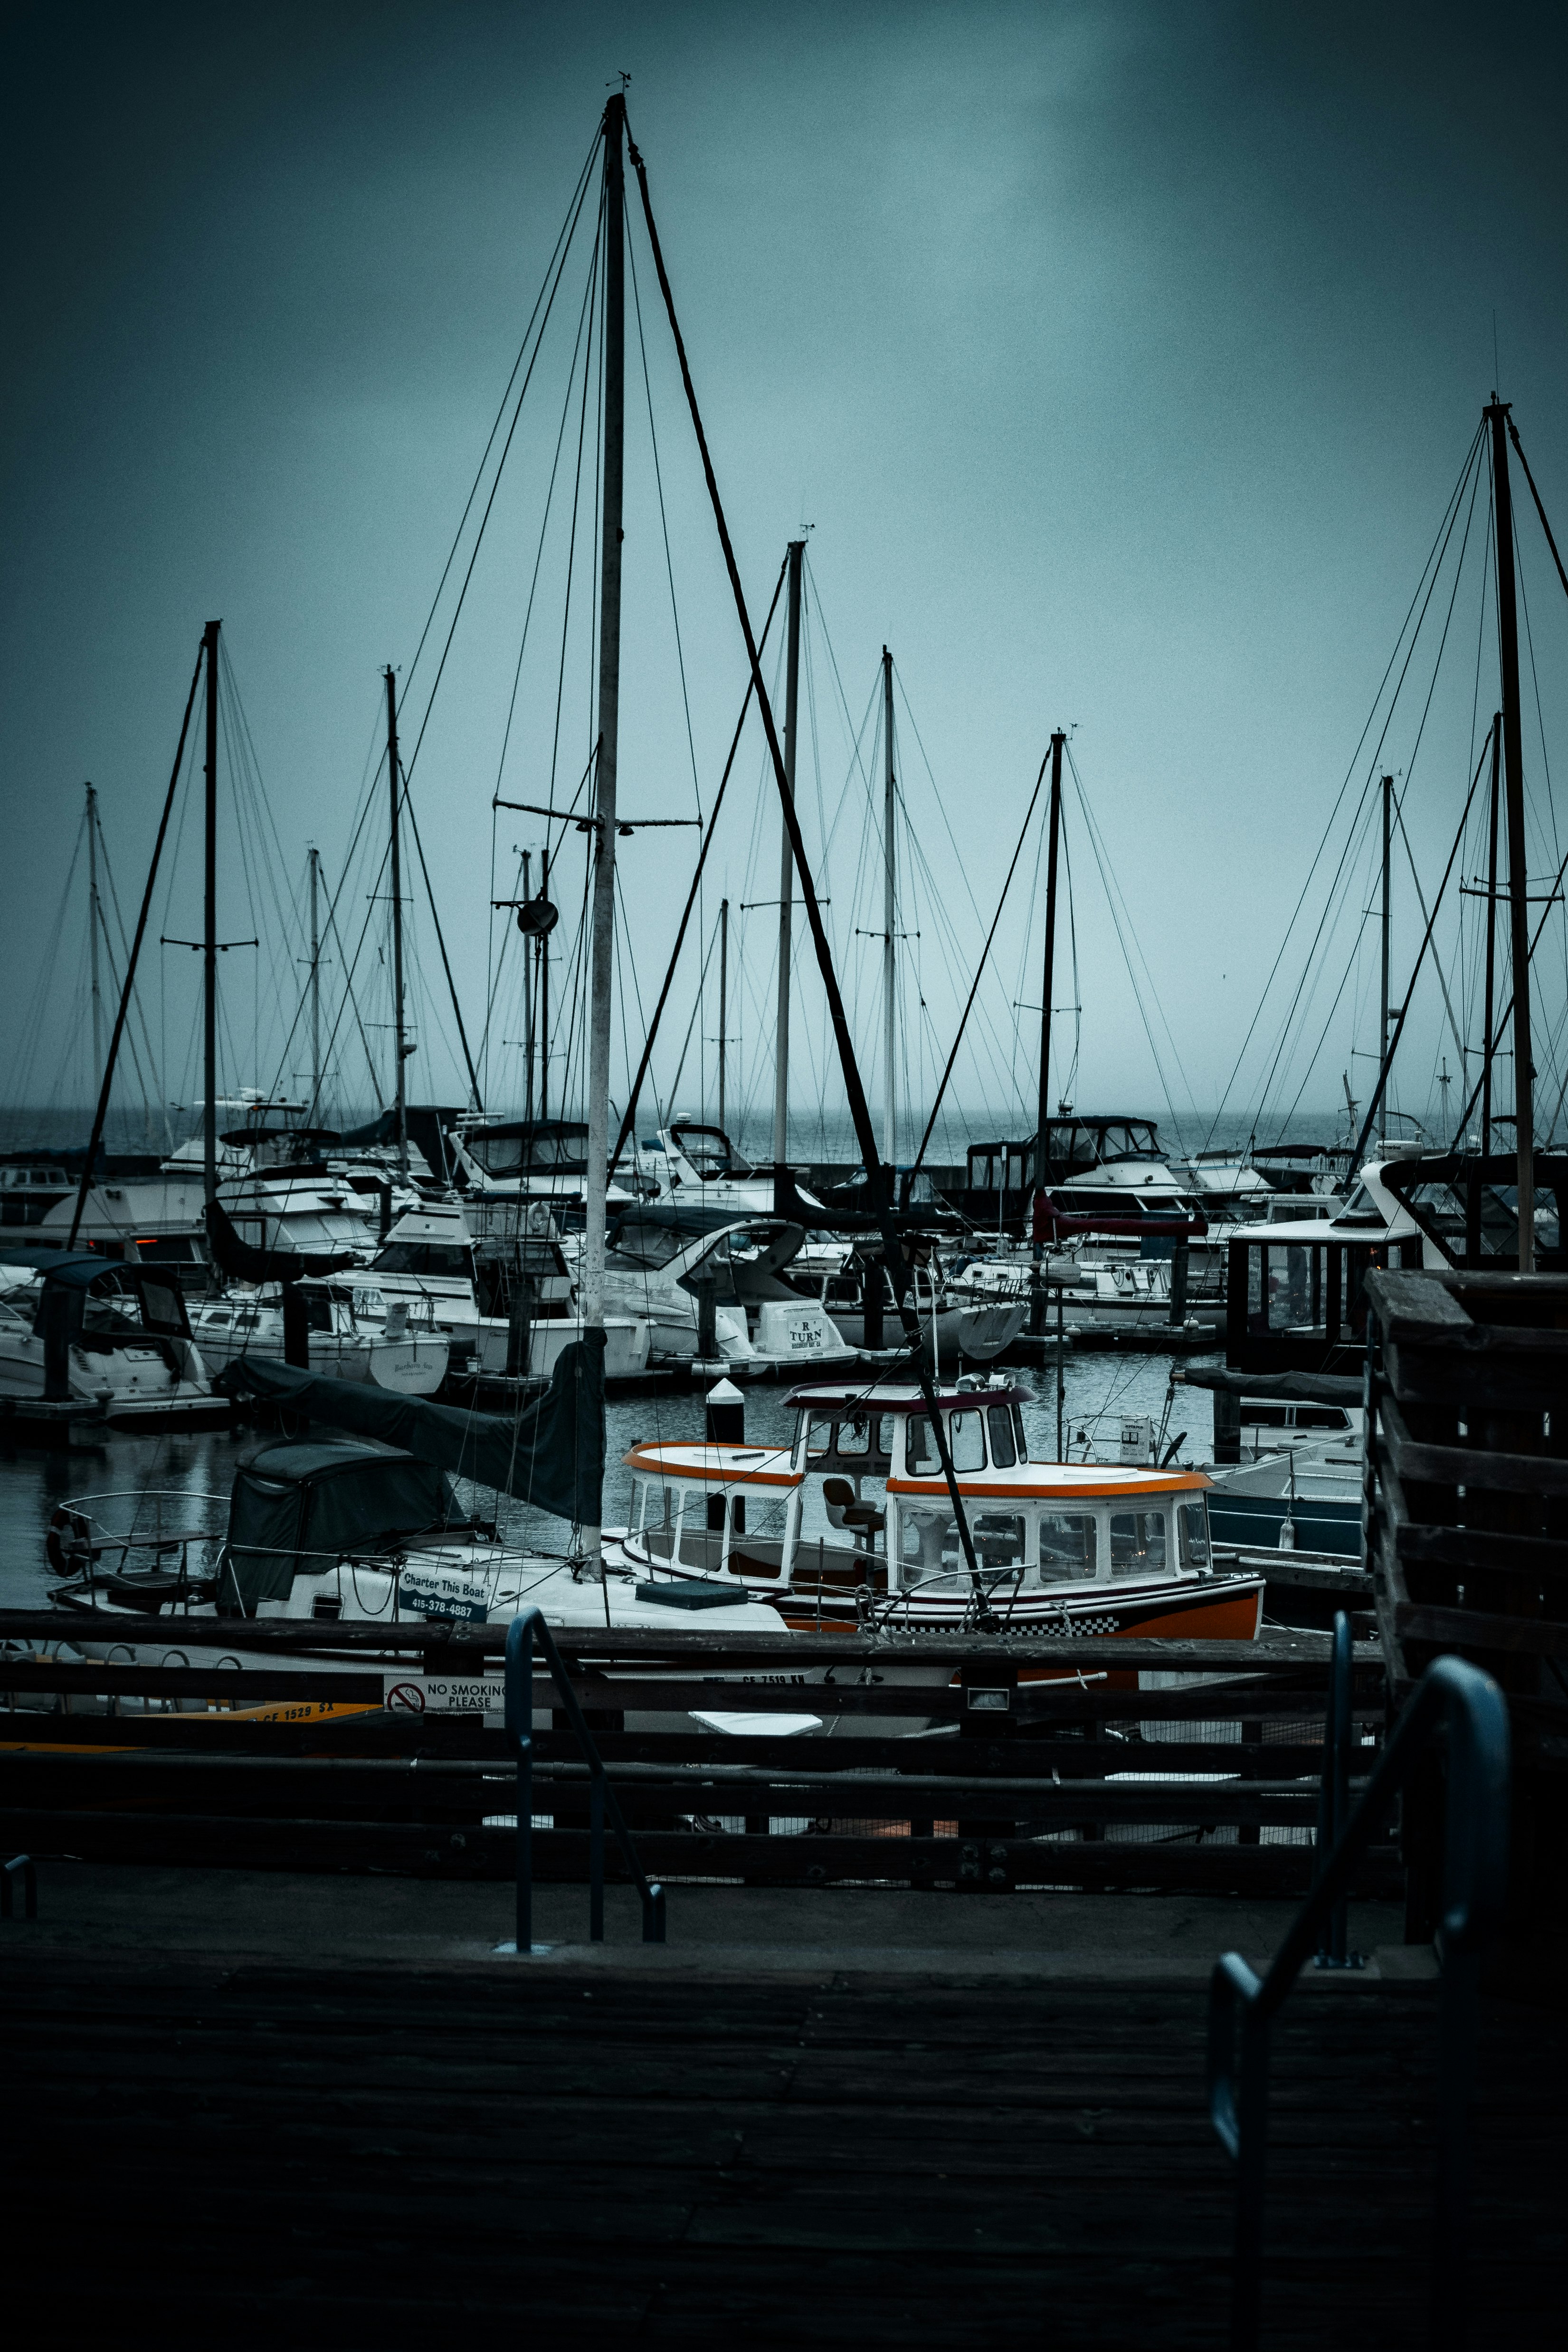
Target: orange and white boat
(852, 1525)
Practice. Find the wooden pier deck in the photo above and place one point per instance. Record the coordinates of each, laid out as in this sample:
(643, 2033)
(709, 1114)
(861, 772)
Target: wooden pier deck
(207, 2149)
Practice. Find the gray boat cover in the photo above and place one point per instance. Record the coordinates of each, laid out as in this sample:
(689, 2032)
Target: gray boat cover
(550, 1454)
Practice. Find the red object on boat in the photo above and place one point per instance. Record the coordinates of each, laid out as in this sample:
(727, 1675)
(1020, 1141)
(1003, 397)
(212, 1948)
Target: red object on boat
(1049, 1222)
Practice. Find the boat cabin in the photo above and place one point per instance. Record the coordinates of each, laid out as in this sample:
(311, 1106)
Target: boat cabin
(859, 1501)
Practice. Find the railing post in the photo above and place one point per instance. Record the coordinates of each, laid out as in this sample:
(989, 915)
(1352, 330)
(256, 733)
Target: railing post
(21, 1866)
(596, 1859)
(521, 1734)
(1252, 2168)
(1333, 1801)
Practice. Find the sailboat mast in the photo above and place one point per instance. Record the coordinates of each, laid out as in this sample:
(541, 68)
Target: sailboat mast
(723, 998)
(527, 1004)
(399, 1049)
(603, 834)
(315, 994)
(210, 929)
(1513, 792)
(92, 923)
(889, 1001)
(544, 994)
(1042, 1129)
(786, 862)
(1492, 936)
(1383, 1024)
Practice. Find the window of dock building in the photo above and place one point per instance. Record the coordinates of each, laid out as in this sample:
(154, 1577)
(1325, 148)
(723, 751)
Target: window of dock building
(1137, 1542)
(1068, 1549)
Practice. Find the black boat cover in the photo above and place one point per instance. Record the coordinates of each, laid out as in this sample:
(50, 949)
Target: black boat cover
(550, 1454)
(301, 1507)
(1302, 1388)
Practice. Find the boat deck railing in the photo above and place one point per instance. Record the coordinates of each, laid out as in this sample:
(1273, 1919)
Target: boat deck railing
(1456, 1702)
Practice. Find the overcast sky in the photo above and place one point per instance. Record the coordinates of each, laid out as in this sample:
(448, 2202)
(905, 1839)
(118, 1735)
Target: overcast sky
(1121, 358)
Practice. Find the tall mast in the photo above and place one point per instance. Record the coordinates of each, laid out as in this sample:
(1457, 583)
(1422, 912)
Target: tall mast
(399, 1048)
(1043, 1122)
(1492, 936)
(315, 995)
(787, 863)
(889, 1002)
(1383, 1024)
(723, 997)
(544, 994)
(603, 834)
(92, 924)
(1042, 1130)
(210, 929)
(527, 1006)
(1513, 788)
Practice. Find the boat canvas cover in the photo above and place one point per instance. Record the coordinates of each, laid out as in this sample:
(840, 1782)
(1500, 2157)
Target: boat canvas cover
(552, 1453)
(303, 1507)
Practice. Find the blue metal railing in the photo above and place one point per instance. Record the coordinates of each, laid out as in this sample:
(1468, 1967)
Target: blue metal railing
(601, 1796)
(1458, 1698)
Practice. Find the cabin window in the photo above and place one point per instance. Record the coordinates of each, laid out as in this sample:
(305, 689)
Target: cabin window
(428, 1258)
(999, 1539)
(1068, 1547)
(929, 1541)
(1019, 1440)
(855, 1436)
(661, 1518)
(648, 1245)
(885, 1424)
(1004, 1452)
(819, 1438)
(758, 1529)
(1192, 1527)
(1137, 1542)
(966, 1440)
(920, 1452)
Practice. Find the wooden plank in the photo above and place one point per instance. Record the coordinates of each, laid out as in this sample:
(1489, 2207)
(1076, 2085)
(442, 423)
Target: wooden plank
(998, 1864)
(1468, 1466)
(239, 1683)
(1476, 1629)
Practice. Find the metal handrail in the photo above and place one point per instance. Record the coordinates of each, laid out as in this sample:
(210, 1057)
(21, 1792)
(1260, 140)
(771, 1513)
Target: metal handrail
(1458, 1697)
(602, 1797)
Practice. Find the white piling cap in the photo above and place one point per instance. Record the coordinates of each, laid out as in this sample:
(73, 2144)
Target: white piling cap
(724, 1392)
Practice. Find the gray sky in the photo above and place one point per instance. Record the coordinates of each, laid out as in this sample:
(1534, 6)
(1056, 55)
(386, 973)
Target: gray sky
(1121, 358)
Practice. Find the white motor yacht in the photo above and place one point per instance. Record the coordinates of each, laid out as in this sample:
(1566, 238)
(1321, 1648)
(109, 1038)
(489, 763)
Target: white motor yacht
(104, 1332)
(665, 1261)
(390, 1348)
